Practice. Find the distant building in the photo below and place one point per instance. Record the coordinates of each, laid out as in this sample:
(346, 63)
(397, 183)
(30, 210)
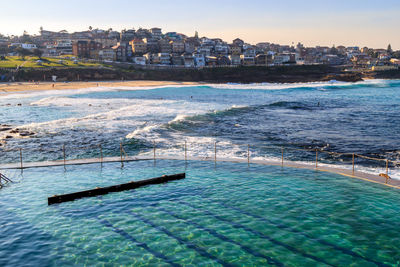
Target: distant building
(120, 52)
(332, 60)
(177, 60)
(262, 59)
(24, 46)
(139, 47)
(211, 61)
(235, 49)
(178, 47)
(165, 46)
(156, 33)
(152, 45)
(238, 42)
(107, 54)
(139, 60)
(188, 60)
(199, 60)
(165, 58)
(84, 48)
(248, 60)
(235, 59)
(127, 35)
(223, 61)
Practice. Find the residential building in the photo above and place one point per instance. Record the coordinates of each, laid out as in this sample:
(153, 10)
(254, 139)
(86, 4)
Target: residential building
(83, 48)
(152, 45)
(165, 46)
(156, 33)
(223, 61)
(177, 60)
(127, 35)
(120, 52)
(139, 47)
(199, 60)
(107, 54)
(235, 59)
(165, 58)
(211, 61)
(178, 47)
(235, 49)
(188, 60)
(248, 60)
(238, 42)
(262, 59)
(139, 60)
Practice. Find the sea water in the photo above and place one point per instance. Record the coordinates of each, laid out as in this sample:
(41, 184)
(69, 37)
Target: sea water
(223, 214)
(334, 116)
(228, 214)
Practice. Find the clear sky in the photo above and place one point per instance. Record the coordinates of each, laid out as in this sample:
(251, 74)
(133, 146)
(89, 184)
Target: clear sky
(373, 23)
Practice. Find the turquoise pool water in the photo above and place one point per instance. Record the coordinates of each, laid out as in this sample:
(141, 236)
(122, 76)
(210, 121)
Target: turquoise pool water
(224, 215)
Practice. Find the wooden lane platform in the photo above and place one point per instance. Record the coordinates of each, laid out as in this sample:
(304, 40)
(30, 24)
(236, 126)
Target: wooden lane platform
(115, 188)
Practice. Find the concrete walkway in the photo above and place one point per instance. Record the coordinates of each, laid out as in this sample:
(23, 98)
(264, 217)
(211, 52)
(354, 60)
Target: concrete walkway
(345, 172)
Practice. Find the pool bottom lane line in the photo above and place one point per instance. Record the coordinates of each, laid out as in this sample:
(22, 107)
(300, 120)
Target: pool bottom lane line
(136, 242)
(293, 230)
(261, 235)
(223, 238)
(190, 245)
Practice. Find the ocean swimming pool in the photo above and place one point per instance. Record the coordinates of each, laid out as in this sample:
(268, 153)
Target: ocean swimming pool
(227, 214)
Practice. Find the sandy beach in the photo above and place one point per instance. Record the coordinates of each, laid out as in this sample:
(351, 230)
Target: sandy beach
(29, 86)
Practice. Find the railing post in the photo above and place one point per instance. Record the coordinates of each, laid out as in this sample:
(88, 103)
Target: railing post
(215, 151)
(353, 163)
(387, 167)
(248, 154)
(20, 157)
(185, 150)
(63, 148)
(316, 158)
(154, 150)
(101, 154)
(282, 155)
(120, 150)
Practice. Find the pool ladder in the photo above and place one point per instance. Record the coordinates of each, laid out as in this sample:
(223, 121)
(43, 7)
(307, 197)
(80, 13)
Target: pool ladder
(4, 180)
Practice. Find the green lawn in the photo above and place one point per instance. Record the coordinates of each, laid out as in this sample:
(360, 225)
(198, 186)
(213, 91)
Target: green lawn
(31, 62)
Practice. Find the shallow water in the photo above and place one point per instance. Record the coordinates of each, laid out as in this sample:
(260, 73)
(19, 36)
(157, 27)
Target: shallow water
(228, 214)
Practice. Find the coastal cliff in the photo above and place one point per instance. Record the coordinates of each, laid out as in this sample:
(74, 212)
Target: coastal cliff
(254, 74)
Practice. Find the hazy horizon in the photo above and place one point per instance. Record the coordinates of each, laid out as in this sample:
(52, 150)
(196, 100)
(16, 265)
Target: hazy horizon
(370, 23)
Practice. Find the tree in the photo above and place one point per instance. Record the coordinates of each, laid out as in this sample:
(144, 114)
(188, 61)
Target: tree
(38, 53)
(389, 49)
(23, 52)
(334, 50)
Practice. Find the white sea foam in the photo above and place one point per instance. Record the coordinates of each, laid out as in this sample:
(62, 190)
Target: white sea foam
(317, 85)
(237, 86)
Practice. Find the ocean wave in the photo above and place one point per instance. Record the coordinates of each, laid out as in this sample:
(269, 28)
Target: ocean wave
(307, 86)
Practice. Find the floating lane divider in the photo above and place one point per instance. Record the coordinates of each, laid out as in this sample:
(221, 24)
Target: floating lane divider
(115, 188)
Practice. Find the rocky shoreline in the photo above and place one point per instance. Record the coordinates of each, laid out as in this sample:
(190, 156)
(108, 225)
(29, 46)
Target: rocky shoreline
(9, 132)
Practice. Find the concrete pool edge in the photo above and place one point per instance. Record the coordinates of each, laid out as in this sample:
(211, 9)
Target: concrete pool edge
(291, 164)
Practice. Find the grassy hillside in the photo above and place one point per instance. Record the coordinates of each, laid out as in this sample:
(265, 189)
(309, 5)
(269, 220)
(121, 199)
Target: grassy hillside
(44, 62)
